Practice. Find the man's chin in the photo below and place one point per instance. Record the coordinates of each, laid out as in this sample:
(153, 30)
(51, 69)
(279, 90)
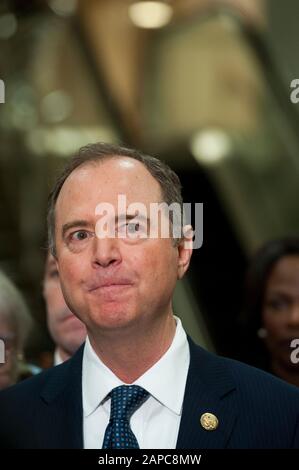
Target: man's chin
(113, 320)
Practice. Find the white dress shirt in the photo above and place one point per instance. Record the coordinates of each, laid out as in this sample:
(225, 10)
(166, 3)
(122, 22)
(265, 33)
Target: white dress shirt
(156, 423)
(57, 358)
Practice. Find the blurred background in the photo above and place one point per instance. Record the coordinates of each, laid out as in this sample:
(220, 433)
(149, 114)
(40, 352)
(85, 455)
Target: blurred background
(203, 84)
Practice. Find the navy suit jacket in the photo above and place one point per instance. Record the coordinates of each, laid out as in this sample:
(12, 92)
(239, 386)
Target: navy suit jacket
(254, 409)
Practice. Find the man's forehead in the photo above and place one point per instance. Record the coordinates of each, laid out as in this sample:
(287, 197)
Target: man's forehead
(110, 166)
(109, 179)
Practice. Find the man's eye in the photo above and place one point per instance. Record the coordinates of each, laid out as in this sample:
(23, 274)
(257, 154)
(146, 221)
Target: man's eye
(132, 230)
(79, 235)
(133, 227)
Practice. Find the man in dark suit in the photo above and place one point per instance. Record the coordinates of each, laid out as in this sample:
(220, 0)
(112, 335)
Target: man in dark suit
(138, 381)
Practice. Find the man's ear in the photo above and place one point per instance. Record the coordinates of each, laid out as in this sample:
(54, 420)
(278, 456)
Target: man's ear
(185, 249)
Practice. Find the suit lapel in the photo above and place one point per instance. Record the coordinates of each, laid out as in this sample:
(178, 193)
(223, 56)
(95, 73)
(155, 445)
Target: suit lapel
(209, 389)
(61, 416)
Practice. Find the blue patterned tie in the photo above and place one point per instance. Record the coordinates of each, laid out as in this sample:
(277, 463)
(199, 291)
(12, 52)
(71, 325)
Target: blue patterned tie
(125, 400)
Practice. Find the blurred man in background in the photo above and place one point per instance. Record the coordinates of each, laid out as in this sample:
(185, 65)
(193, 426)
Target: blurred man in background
(66, 330)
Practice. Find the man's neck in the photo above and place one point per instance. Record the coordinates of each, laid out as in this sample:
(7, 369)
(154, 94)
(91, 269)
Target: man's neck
(131, 353)
(289, 375)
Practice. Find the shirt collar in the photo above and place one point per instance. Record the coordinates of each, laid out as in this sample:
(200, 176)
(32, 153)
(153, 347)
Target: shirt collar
(57, 358)
(165, 380)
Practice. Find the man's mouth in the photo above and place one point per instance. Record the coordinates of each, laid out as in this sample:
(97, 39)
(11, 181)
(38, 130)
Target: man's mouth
(109, 285)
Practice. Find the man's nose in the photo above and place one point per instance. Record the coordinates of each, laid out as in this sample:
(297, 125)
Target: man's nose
(105, 252)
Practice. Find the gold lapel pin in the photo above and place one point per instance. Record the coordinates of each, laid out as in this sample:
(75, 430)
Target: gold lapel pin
(209, 421)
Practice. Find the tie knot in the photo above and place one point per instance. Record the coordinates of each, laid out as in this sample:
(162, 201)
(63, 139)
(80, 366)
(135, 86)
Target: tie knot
(125, 400)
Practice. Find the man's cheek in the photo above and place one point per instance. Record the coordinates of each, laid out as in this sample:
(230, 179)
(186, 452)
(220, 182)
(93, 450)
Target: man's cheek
(67, 274)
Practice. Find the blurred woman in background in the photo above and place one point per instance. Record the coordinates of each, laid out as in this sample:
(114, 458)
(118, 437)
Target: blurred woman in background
(15, 324)
(272, 309)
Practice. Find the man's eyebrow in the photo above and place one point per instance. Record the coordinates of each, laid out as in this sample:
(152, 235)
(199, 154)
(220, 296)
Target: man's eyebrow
(73, 224)
(130, 217)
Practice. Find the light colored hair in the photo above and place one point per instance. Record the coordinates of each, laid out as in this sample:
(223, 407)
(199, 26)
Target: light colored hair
(14, 310)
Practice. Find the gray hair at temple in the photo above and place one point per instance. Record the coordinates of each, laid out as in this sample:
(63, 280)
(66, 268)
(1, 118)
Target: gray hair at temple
(14, 311)
(93, 153)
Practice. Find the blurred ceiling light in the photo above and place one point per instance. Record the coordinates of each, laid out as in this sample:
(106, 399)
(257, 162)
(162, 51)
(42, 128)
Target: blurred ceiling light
(64, 7)
(153, 14)
(22, 106)
(8, 25)
(230, 23)
(24, 118)
(63, 141)
(56, 106)
(210, 146)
